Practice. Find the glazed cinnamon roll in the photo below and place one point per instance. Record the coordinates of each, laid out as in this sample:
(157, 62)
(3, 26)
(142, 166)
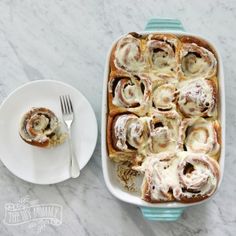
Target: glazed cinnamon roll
(128, 54)
(198, 98)
(164, 131)
(128, 134)
(164, 96)
(196, 61)
(160, 177)
(40, 127)
(198, 177)
(199, 135)
(162, 51)
(129, 93)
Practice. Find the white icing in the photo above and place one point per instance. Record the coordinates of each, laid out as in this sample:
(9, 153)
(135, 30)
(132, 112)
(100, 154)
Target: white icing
(203, 179)
(128, 54)
(129, 128)
(131, 94)
(196, 98)
(164, 59)
(163, 96)
(201, 136)
(202, 65)
(165, 136)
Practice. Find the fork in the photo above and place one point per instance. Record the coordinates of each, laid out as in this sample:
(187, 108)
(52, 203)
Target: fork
(68, 117)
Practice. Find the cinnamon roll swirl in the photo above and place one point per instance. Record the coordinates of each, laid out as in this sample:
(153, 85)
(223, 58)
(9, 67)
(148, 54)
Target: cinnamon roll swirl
(128, 134)
(198, 177)
(162, 50)
(129, 93)
(164, 131)
(196, 61)
(199, 135)
(40, 127)
(198, 98)
(128, 54)
(164, 96)
(160, 177)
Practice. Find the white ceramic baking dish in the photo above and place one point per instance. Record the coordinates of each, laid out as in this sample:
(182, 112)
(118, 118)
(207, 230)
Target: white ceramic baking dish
(159, 211)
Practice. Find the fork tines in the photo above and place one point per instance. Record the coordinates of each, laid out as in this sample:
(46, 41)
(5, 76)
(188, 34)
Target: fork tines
(66, 104)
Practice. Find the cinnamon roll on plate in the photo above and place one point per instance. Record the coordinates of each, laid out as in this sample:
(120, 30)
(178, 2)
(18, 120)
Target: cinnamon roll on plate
(40, 127)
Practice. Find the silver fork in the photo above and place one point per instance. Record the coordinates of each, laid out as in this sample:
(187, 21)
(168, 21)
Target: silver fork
(68, 117)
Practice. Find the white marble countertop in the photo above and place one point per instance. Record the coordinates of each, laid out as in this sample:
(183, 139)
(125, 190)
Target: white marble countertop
(67, 40)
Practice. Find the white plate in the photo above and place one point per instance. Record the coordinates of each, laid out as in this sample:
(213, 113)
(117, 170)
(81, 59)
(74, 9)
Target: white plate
(39, 165)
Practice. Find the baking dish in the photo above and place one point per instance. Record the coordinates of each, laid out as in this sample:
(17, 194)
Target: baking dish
(159, 211)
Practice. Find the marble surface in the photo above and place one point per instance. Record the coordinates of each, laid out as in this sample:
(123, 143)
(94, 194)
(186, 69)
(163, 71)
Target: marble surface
(67, 40)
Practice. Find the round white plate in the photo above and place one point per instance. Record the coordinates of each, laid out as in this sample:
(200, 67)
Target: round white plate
(39, 165)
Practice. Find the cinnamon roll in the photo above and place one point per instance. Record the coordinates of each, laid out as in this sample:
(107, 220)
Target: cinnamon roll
(196, 61)
(129, 93)
(164, 131)
(198, 98)
(128, 54)
(164, 96)
(128, 134)
(40, 127)
(160, 177)
(198, 177)
(199, 135)
(162, 50)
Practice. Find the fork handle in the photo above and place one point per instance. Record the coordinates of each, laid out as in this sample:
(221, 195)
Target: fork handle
(74, 165)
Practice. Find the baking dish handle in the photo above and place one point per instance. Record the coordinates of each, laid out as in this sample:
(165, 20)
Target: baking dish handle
(158, 213)
(164, 24)
(162, 214)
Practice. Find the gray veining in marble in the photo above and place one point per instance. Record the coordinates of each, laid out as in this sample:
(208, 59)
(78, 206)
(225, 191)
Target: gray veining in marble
(67, 40)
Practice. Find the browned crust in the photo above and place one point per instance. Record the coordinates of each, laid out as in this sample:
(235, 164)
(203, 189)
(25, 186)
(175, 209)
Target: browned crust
(217, 128)
(38, 144)
(192, 200)
(200, 42)
(218, 131)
